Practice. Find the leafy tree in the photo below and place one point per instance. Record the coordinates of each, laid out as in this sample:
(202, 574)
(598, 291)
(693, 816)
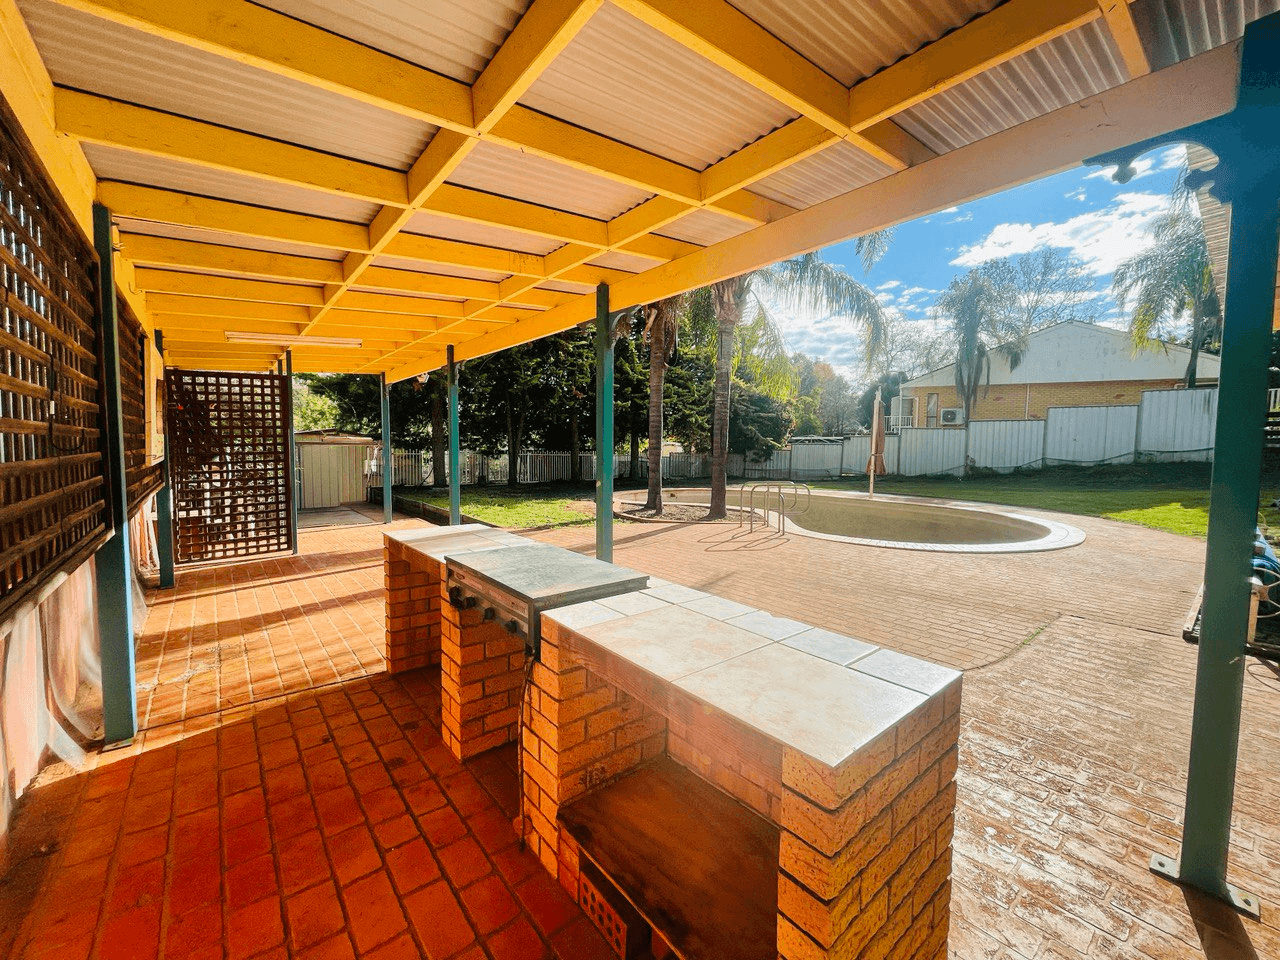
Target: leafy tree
(981, 324)
(890, 384)
(1172, 283)
(661, 332)
(312, 411)
(359, 407)
(503, 392)
(806, 283)
(1041, 288)
(808, 422)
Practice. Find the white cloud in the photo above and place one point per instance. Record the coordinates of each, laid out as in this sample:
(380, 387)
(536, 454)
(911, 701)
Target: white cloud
(963, 218)
(949, 210)
(1102, 239)
(1077, 194)
(1169, 159)
(889, 285)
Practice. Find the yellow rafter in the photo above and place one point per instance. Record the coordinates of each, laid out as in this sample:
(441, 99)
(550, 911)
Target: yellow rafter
(1124, 32)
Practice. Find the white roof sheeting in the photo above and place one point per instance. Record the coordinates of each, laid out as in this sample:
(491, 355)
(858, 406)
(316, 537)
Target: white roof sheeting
(112, 163)
(704, 227)
(452, 37)
(525, 176)
(852, 39)
(828, 173)
(177, 231)
(688, 110)
(448, 228)
(98, 56)
(1061, 72)
(1174, 30)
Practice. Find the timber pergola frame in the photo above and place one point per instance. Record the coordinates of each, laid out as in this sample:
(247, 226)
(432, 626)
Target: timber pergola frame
(196, 290)
(470, 297)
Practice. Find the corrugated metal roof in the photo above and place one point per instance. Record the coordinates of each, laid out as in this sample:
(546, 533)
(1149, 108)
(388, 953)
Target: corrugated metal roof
(852, 39)
(627, 81)
(446, 228)
(1055, 74)
(441, 270)
(112, 163)
(1173, 30)
(704, 227)
(1214, 218)
(835, 170)
(560, 286)
(177, 231)
(405, 293)
(102, 57)
(453, 37)
(623, 261)
(524, 176)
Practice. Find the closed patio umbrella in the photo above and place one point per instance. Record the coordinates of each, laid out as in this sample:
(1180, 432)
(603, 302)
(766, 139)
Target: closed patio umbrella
(875, 463)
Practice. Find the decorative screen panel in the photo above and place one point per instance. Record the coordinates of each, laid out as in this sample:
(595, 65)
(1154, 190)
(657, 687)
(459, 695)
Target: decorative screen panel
(228, 449)
(52, 489)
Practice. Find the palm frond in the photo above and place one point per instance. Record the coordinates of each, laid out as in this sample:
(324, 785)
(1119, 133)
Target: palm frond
(760, 353)
(811, 285)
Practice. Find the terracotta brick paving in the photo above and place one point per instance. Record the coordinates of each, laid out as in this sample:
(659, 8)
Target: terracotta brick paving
(331, 822)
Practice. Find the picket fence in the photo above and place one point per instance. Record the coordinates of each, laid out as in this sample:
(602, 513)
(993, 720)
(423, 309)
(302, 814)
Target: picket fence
(1167, 425)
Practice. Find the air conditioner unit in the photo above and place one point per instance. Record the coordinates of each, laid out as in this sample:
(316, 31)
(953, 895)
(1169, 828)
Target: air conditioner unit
(952, 415)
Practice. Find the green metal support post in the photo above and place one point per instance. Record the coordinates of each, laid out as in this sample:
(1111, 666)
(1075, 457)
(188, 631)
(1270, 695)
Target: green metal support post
(164, 504)
(455, 476)
(113, 566)
(1247, 143)
(388, 463)
(604, 425)
(291, 470)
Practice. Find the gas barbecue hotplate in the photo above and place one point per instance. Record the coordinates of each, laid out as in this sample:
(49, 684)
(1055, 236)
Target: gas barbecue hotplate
(515, 584)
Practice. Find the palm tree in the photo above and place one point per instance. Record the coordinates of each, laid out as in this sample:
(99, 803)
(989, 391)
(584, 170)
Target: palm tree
(661, 330)
(1170, 281)
(807, 284)
(979, 324)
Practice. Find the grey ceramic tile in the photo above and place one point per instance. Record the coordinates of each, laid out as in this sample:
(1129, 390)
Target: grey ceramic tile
(767, 625)
(672, 641)
(673, 592)
(630, 604)
(830, 646)
(820, 708)
(905, 671)
(581, 615)
(717, 607)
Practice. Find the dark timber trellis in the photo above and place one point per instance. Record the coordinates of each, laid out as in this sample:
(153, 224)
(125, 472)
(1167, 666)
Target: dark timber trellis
(229, 453)
(52, 487)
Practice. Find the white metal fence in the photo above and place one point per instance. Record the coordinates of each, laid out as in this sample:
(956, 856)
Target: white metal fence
(1168, 425)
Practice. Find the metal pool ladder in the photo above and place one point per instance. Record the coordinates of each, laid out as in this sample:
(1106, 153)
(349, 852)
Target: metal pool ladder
(784, 493)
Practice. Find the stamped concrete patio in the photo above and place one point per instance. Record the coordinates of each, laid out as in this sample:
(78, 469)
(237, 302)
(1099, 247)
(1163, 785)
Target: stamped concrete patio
(287, 798)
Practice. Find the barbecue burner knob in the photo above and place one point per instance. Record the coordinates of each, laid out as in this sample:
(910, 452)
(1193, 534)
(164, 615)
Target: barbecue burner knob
(513, 626)
(468, 603)
(490, 613)
(455, 595)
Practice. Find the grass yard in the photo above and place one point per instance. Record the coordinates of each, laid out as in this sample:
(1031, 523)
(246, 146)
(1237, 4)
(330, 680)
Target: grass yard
(526, 506)
(1172, 497)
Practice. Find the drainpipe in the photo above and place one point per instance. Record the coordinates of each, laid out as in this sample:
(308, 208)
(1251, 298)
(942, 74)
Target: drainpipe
(164, 499)
(113, 565)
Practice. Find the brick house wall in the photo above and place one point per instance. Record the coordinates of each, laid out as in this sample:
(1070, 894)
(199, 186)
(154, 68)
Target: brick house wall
(1032, 401)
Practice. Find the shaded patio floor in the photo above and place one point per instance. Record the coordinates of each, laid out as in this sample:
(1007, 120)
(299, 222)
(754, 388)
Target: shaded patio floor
(287, 798)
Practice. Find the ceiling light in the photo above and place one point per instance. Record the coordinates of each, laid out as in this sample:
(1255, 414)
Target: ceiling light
(289, 340)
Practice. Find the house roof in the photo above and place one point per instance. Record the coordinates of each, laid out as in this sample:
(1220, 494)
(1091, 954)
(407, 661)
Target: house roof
(1077, 352)
(372, 182)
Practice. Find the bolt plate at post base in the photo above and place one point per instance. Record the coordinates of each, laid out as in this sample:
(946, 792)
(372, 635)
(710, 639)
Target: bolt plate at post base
(1244, 902)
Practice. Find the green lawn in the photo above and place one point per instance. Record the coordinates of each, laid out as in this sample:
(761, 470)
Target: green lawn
(1172, 497)
(527, 506)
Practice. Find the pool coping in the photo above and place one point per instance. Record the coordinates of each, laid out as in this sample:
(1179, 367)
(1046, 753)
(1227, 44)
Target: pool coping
(1059, 537)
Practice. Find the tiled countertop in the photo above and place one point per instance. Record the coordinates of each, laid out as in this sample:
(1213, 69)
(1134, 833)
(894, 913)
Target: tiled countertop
(437, 543)
(818, 692)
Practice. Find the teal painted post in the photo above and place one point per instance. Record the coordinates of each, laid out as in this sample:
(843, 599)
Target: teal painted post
(164, 502)
(455, 457)
(604, 426)
(113, 566)
(388, 462)
(1254, 166)
(291, 470)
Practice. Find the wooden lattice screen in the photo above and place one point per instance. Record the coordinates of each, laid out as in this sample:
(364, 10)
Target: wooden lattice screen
(229, 458)
(53, 506)
(142, 478)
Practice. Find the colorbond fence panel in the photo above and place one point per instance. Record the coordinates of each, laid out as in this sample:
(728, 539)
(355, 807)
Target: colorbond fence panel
(1006, 445)
(930, 450)
(1090, 435)
(1178, 424)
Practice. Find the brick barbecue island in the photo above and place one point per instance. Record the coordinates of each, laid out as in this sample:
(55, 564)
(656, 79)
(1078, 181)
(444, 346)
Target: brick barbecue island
(708, 780)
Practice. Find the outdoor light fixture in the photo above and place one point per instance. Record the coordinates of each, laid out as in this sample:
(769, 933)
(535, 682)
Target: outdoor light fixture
(290, 340)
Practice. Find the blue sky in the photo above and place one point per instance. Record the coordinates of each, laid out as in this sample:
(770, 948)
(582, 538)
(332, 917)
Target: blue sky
(1080, 211)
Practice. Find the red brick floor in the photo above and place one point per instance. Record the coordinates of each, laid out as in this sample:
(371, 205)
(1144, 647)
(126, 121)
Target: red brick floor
(329, 822)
